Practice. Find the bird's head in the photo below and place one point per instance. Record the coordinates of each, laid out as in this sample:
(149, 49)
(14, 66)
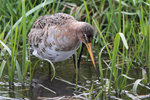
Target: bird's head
(85, 34)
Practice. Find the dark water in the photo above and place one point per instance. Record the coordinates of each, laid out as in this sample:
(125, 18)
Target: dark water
(42, 88)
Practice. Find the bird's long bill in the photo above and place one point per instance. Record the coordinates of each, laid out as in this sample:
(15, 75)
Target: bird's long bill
(89, 47)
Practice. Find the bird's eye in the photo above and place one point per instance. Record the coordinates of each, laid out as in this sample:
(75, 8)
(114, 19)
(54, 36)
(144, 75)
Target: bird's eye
(84, 35)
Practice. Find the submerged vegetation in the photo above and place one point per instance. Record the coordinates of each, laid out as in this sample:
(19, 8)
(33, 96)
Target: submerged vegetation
(122, 32)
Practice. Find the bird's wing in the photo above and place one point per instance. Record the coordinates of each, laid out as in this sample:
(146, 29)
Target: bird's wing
(45, 24)
(35, 36)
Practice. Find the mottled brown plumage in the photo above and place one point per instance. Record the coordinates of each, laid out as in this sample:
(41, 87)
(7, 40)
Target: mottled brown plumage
(55, 37)
(60, 33)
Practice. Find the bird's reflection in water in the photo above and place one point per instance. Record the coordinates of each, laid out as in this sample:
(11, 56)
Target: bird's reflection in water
(42, 87)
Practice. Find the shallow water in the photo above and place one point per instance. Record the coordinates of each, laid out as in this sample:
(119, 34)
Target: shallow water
(42, 88)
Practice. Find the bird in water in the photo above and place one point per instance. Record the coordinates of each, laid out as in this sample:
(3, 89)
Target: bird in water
(55, 37)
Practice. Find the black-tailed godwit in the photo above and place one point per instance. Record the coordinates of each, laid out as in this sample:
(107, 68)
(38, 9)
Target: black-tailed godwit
(55, 37)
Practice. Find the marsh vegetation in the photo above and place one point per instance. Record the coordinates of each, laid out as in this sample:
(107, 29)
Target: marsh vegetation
(121, 47)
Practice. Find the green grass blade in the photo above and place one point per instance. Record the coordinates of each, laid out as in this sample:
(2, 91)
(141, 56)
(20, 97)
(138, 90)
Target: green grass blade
(24, 35)
(2, 34)
(29, 13)
(149, 42)
(19, 71)
(10, 8)
(33, 71)
(12, 72)
(144, 74)
(102, 38)
(30, 68)
(101, 4)
(119, 16)
(33, 19)
(19, 6)
(100, 66)
(17, 37)
(15, 49)
(2, 67)
(123, 57)
(124, 40)
(91, 91)
(137, 82)
(25, 71)
(149, 12)
(6, 47)
(57, 7)
(53, 10)
(113, 61)
(30, 3)
(100, 92)
(52, 67)
(87, 12)
(149, 49)
(17, 64)
(126, 77)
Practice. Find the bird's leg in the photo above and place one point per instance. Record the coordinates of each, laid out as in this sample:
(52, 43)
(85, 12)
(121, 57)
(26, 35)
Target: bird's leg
(80, 54)
(49, 74)
(79, 59)
(74, 61)
(49, 68)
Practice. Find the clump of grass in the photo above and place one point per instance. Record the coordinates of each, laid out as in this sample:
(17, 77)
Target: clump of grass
(15, 38)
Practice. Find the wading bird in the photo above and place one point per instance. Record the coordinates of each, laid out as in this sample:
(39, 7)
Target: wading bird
(55, 37)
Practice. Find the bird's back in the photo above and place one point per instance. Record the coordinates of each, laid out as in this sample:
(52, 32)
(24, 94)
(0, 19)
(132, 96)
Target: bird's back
(52, 20)
(51, 36)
